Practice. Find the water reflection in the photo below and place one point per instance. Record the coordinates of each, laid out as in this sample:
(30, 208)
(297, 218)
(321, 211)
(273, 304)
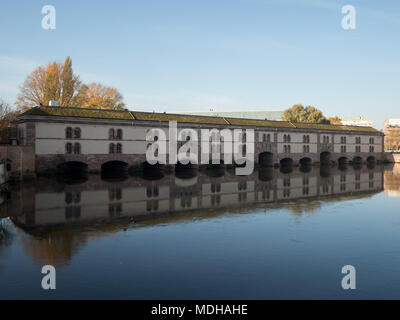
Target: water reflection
(58, 217)
(392, 180)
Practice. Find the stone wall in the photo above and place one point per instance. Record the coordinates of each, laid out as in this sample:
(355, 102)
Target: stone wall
(392, 157)
(19, 161)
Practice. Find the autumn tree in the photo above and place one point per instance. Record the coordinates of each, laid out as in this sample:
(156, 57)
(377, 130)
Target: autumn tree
(6, 114)
(55, 81)
(95, 95)
(299, 113)
(335, 120)
(392, 138)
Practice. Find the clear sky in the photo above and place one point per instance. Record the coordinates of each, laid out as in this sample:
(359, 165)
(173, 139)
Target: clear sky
(170, 55)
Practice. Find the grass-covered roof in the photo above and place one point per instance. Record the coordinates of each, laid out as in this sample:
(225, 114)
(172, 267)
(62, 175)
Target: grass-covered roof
(165, 117)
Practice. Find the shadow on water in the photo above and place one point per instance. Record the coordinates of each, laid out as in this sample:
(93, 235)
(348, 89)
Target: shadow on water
(147, 171)
(73, 178)
(286, 169)
(325, 171)
(215, 172)
(187, 171)
(305, 168)
(266, 173)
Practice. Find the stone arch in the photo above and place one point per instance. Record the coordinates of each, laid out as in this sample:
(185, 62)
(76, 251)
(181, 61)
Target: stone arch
(265, 159)
(371, 159)
(342, 161)
(114, 165)
(325, 157)
(286, 162)
(357, 160)
(73, 167)
(305, 162)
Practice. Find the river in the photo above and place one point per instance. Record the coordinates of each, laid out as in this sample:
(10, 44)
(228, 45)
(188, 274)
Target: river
(205, 235)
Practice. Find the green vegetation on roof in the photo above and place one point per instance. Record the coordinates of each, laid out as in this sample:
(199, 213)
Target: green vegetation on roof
(162, 117)
(165, 117)
(78, 112)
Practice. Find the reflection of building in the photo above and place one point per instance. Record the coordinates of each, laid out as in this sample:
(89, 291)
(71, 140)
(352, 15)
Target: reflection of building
(144, 200)
(392, 180)
(65, 216)
(362, 122)
(391, 129)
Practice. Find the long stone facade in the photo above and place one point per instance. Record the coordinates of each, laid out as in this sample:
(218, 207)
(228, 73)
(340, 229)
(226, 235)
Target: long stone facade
(93, 137)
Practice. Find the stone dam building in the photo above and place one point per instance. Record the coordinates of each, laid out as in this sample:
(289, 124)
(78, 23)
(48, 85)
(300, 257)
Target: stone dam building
(96, 139)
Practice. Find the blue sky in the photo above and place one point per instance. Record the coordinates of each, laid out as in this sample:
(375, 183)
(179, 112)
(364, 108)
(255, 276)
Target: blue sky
(171, 55)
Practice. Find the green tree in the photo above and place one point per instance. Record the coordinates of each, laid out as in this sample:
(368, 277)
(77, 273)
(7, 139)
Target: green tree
(299, 113)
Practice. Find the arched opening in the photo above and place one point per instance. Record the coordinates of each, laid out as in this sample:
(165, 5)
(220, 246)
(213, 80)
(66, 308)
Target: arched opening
(114, 170)
(72, 172)
(148, 171)
(215, 170)
(305, 162)
(325, 171)
(286, 169)
(357, 160)
(342, 161)
(325, 157)
(305, 169)
(371, 159)
(286, 162)
(266, 174)
(265, 159)
(371, 162)
(73, 166)
(185, 171)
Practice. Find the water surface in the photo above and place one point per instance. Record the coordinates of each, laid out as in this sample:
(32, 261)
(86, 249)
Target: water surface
(205, 235)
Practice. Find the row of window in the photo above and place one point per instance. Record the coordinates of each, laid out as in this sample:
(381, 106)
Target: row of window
(76, 133)
(325, 139)
(72, 133)
(76, 148)
(286, 148)
(115, 134)
(115, 148)
(286, 138)
(72, 148)
(266, 137)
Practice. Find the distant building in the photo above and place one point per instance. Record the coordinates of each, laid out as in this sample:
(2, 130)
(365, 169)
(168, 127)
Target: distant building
(391, 129)
(243, 114)
(361, 122)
